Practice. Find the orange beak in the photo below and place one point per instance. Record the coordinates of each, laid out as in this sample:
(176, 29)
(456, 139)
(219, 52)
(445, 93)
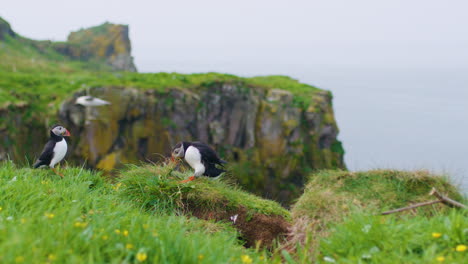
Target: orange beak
(67, 133)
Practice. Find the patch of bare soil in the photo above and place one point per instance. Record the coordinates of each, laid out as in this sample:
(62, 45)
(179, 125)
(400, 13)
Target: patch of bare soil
(254, 228)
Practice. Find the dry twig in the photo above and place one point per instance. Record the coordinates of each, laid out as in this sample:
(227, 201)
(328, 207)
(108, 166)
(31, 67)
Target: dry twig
(442, 199)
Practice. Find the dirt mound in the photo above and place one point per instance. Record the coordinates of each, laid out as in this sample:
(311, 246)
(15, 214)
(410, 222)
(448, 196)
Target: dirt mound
(254, 229)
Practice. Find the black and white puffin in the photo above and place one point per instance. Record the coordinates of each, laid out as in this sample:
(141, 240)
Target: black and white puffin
(200, 157)
(54, 150)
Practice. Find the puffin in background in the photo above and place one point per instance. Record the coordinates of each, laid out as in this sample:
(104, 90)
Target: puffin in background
(55, 149)
(200, 157)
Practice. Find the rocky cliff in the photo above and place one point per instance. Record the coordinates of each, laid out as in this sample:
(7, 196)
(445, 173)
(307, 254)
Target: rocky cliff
(270, 138)
(108, 42)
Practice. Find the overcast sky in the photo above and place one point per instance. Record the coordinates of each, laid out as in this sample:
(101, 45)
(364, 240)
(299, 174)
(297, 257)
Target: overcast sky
(263, 36)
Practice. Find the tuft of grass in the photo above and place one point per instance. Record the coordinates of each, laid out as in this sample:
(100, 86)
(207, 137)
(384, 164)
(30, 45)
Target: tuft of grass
(332, 192)
(330, 197)
(84, 219)
(158, 188)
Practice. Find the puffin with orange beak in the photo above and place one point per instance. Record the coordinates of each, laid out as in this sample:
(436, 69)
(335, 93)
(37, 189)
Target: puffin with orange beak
(201, 157)
(54, 150)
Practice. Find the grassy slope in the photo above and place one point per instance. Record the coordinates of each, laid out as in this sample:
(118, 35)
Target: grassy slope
(83, 219)
(20, 54)
(340, 212)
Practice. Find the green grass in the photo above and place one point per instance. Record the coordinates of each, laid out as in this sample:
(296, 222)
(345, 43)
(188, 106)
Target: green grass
(83, 219)
(390, 239)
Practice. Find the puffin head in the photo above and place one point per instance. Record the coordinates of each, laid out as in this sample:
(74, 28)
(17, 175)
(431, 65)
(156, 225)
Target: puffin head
(59, 130)
(178, 151)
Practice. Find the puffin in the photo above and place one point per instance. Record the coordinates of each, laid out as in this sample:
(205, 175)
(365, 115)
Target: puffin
(201, 157)
(54, 150)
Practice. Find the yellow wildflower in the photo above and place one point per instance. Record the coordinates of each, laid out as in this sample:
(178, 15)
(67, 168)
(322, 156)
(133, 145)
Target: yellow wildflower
(51, 257)
(440, 259)
(1, 208)
(125, 232)
(117, 231)
(22, 220)
(141, 256)
(19, 259)
(246, 259)
(49, 215)
(104, 237)
(461, 248)
(80, 224)
(129, 246)
(155, 234)
(145, 226)
(436, 235)
(201, 257)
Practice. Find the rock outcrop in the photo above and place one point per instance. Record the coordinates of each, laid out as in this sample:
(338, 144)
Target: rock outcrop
(106, 46)
(264, 133)
(5, 29)
(108, 42)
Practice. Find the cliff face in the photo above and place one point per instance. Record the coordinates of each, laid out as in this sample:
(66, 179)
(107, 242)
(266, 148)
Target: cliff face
(19, 132)
(108, 42)
(265, 134)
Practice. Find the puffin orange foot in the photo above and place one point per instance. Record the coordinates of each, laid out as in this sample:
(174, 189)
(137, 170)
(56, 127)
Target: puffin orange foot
(191, 178)
(58, 173)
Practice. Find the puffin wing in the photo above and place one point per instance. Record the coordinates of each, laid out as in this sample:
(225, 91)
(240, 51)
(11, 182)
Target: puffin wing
(46, 155)
(208, 154)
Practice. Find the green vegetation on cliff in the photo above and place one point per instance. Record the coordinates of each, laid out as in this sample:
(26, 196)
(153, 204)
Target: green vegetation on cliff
(35, 98)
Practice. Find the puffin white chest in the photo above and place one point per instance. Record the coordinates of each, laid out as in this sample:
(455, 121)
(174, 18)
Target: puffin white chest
(60, 150)
(193, 158)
